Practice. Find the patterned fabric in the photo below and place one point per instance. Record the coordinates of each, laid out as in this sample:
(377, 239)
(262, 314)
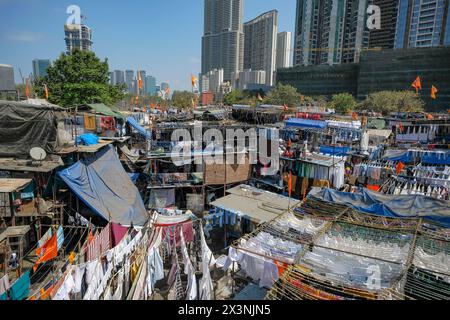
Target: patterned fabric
(99, 244)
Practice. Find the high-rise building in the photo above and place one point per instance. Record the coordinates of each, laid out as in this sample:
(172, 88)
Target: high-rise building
(223, 36)
(212, 81)
(119, 77)
(111, 78)
(356, 33)
(129, 77)
(246, 78)
(40, 68)
(385, 36)
(204, 83)
(330, 31)
(260, 44)
(422, 23)
(283, 53)
(7, 78)
(77, 36)
(150, 85)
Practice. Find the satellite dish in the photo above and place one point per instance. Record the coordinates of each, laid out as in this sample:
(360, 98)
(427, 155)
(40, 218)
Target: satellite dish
(38, 153)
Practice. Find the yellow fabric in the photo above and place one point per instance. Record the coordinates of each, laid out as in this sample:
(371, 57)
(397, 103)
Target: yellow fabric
(89, 122)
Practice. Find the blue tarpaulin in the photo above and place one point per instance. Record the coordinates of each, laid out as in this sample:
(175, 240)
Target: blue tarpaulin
(406, 206)
(337, 151)
(133, 176)
(305, 123)
(138, 127)
(103, 185)
(87, 139)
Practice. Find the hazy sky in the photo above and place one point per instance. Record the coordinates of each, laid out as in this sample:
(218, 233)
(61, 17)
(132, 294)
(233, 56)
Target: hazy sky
(160, 36)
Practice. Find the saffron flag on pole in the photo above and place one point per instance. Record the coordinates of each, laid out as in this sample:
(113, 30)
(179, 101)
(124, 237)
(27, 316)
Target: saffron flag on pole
(194, 81)
(139, 80)
(27, 90)
(46, 91)
(417, 84)
(47, 252)
(290, 184)
(434, 90)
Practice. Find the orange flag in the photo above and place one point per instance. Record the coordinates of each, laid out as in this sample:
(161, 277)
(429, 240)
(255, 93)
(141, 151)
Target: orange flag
(434, 90)
(194, 81)
(46, 91)
(417, 84)
(285, 107)
(47, 252)
(90, 236)
(139, 81)
(399, 167)
(290, 184)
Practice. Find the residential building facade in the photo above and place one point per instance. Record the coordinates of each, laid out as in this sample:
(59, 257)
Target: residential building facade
(223, 36)
(260, 44)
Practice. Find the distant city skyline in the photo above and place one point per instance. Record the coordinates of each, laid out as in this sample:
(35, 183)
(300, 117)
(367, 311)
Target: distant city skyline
(133, 36)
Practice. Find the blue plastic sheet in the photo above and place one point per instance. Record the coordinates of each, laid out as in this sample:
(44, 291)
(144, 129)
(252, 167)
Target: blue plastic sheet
(407, 206)
(106, 188)
(133, 176)
(337, 151)
(132, 122)
(87, 139)
(305, 123)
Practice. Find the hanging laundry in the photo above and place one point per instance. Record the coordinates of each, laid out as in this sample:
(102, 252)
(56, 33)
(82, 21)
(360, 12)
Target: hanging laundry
(21, 288)
(47, 252)
(89, 122)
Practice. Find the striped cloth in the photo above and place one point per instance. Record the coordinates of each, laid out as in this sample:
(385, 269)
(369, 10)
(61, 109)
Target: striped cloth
(100, 244)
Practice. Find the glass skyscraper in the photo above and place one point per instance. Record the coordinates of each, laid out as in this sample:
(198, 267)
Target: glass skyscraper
(40, 68)
(422, 23)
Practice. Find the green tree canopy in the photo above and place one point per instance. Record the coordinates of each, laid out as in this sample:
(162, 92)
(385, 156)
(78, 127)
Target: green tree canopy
(343, 102)
(283, 94)
(79, 78)
(239, 97)
(392, 101)
(183, 99)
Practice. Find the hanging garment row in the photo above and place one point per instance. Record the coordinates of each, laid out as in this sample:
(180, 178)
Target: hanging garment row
(401, 186)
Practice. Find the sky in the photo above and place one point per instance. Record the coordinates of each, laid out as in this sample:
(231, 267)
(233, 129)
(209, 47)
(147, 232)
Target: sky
(159, 36)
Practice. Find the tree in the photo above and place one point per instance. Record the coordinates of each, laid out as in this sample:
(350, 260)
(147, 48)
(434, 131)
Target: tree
(239, 97)
(183, 99)
(79, 78)
(283, 94)
(392, 101)
(343, 103)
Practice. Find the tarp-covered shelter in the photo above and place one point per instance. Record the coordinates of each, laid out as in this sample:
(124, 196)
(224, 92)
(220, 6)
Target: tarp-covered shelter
(132, 122)
(102, 109)
(406, 206)
(103, 185)
(24, 126)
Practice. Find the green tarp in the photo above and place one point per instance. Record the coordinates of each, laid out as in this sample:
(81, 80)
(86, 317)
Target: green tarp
(105, 110)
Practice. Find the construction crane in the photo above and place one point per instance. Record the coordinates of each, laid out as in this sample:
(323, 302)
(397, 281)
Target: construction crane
(20, 72)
